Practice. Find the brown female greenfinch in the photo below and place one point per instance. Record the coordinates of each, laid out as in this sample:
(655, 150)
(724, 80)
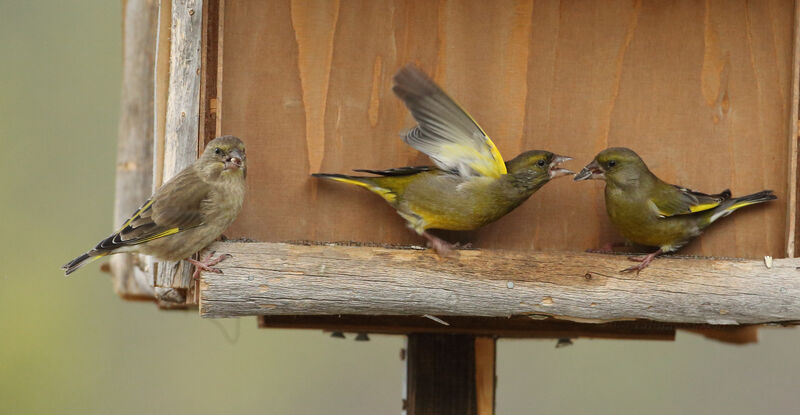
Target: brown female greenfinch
(648, 211)
(186, 214)
(470, 185)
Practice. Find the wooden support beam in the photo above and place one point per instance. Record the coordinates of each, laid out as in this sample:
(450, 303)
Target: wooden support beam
(134, 178)
(450, 374)
(506, 327)
(181, 131)
(792, 182)
(286, 279)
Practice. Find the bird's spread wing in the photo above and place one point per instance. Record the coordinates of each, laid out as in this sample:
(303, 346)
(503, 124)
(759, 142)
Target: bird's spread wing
(446, 133)
(676, 200)
(176, 207)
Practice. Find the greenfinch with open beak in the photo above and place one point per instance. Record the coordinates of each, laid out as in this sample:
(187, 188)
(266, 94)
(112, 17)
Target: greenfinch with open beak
(648, 211)
(471, 185)
(186, 213)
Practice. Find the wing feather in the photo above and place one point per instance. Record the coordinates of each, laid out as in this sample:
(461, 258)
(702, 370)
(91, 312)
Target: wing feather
(176, 207)
(445, 131)
(676, 200)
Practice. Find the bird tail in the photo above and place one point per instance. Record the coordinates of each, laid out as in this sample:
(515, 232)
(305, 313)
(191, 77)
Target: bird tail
(80, 261)
(365, 182)
(730, 205)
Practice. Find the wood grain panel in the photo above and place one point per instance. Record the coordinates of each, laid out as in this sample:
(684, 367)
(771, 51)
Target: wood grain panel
(701, 90)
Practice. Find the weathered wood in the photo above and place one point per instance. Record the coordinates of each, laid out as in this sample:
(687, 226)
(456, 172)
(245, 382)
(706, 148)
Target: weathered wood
(181, 129)
(485, 378)
(278, 278)
(440, 375)
(702, 90)
(208, 76)
(135, 141)
(793, 185)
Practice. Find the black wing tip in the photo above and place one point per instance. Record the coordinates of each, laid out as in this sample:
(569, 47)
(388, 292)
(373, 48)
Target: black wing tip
(76, 263)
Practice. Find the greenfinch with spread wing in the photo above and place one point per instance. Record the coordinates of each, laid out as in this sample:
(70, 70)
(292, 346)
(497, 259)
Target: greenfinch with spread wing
(648, 211)
(186, 213)
(470, 185)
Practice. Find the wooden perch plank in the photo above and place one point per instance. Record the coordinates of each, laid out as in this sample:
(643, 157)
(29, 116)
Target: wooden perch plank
(285, 279)
(134, 150)
(181, 130)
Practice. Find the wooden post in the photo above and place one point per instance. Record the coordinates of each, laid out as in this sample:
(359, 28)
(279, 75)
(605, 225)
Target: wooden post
(135, 142)
(450, 374)
(172, 279)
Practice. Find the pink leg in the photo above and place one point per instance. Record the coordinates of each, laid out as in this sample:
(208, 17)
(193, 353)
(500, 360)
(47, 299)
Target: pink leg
(442, 247)
(206, 263)
(643, 262)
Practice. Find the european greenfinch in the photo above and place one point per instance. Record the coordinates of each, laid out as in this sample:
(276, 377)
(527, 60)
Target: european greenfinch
(647, 211)
(470, 186)
(186, 214)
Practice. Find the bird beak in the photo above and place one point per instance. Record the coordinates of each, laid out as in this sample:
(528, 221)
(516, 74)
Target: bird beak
(591, 171)
(235, 161)
(556, 170)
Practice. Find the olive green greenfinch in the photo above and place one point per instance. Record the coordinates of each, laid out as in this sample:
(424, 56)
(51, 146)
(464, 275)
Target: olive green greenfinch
(186, 214)
(470, 186)
(647, 211)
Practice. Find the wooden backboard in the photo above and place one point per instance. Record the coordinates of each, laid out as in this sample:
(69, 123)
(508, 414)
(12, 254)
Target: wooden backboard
(702, 91)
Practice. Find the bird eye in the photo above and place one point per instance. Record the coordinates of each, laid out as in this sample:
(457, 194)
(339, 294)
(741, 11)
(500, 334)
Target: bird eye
(612, 163)
(540, 163)
(217, 151)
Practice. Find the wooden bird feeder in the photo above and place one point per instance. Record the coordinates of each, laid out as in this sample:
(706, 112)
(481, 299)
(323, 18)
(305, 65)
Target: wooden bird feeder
(707, 93)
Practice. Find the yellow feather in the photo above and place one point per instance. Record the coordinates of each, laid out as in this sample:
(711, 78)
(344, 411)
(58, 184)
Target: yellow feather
(167, 232)
(705, 206)
(384, 193)
(742, 204)
(498, 166)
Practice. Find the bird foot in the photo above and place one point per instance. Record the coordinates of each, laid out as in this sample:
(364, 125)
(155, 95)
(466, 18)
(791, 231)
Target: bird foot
(644, 262)
(459, 245)
(207, 263)
(443, 248)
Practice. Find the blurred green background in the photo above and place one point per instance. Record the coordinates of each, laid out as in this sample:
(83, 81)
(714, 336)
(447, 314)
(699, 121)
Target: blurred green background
(70, 346)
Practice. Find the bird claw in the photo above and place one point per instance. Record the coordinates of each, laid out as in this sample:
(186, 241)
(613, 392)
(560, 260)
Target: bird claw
(644, 262)
(637, 268)
(206, 263)
(443, 248)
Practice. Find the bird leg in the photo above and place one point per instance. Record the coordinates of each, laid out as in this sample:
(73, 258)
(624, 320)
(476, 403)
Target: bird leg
(442, 247)
(207, 263)
(643, 261)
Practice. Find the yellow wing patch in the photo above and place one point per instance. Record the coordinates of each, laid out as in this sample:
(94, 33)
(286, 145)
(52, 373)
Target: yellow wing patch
(388, 195)
(499, 166)
(136, 215)
(488, 167)
(702, 207)
(167, 232)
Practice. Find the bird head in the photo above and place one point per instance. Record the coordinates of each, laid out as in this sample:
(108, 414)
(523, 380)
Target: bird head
(224, 156)
(617, 164)
(537, 167)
